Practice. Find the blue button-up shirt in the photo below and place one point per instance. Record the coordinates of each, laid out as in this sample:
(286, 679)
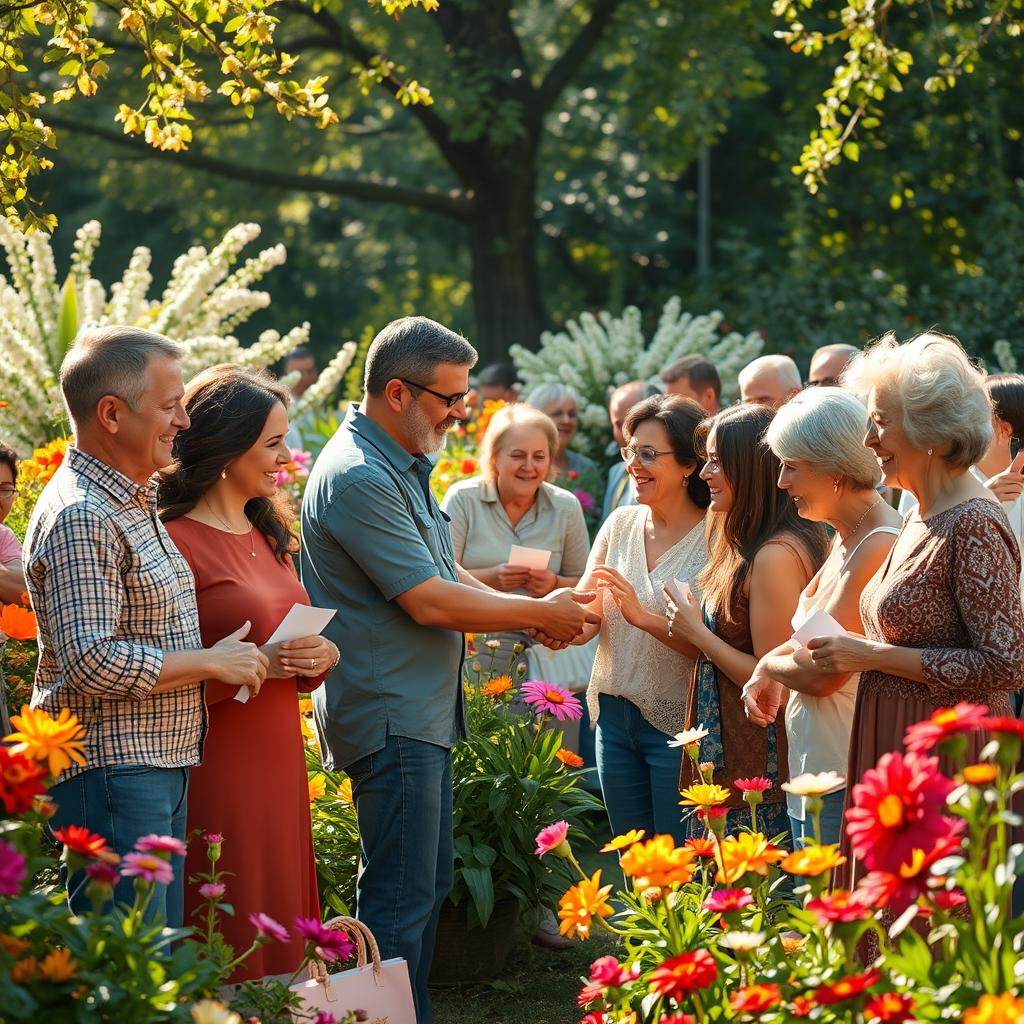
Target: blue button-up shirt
(371, 530)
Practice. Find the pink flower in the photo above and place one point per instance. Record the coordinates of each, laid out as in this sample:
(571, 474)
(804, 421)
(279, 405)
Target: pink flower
(212, 890)
(147, 866)
(12, 870)
(605, 973)
(553, 839)
(548, 698)
(323, 1017)
(269, 928)
(726, 901)
(330, 943)
(754, 785)
(213, 837)
(945, 722)
(102, 874)
(586, 500)
(161, 844)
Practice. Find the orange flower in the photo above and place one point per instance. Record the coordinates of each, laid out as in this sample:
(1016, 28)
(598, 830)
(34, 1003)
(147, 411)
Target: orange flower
(626, 839)
(658, 862)
(345, 791)
(25, 970)
(702, 847)
(317, 787)
(579, 905)
(980, 774)
(568, 758)
(58, 965)
(497, 686)
(746, 852)
(755, 998)
(54, 741)
(812, 861)
(305, 706)
(17, 622)
(1004, 1009)
(13, 946)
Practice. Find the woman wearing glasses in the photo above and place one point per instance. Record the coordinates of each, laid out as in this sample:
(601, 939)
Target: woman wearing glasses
(762, 556)
(12, 579)
(637, 692)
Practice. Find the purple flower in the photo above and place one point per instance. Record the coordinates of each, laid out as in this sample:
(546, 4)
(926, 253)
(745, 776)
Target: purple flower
(102, 874)
(585, 499)
(148, 866)
(554, 700)
(161, 844)
(331, 944)
(212, 890)
(12, 870)
(269, 928)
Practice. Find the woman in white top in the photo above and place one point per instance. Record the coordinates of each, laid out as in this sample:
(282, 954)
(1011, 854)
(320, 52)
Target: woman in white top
(818, 437)
(637, 692)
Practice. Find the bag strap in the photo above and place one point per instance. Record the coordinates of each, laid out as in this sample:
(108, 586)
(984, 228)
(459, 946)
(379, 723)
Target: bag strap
(366, 950)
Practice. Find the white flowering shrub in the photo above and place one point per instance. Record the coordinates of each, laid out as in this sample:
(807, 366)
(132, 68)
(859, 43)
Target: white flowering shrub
(1005, 359)
(600, 352)
(206, 299)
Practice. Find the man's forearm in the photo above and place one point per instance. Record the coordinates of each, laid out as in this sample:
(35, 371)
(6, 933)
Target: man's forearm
(449, 605)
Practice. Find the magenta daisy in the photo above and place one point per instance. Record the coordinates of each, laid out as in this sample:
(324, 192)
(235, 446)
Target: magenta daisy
(726, 901)
(161, 844)
(547, 698)
(758, 784)
(329, 943)
(269, 928)
(150, 867)
(12, 870)
(212, 890)
(102, 874)
(553, 839)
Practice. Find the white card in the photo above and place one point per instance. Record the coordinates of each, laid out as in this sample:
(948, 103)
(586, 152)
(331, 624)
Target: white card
(529, 558)
(301, 620)
(819, 623)
(679, 591)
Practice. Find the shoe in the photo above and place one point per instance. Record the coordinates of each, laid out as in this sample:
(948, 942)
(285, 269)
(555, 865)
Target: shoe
(547, 935)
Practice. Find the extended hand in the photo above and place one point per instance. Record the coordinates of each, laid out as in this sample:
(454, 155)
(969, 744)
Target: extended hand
(686, 619)
(1006, 486)
(564, 614)
(623, 594)
(762, 698)
(238, 663)
(836, 654)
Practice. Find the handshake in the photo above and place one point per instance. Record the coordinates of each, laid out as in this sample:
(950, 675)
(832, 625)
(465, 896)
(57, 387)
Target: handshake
(562, 617)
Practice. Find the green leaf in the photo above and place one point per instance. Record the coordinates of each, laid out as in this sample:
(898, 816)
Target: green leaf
(851, 151)
(481, 889)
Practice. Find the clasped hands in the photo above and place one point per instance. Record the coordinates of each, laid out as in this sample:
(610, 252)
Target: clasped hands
(565, 617)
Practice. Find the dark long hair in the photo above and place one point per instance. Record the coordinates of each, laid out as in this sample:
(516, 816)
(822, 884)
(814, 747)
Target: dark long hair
(1007, 393)
(760, 510)
(228, 407)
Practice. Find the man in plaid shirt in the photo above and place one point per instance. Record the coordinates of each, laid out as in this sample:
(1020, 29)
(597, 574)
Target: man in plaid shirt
(119, 641)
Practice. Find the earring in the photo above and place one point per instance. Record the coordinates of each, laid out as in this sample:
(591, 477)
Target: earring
(835, 486)
(929, 451)
(223, 474)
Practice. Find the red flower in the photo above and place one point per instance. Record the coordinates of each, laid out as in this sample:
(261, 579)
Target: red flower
(81, 841)
(468, 466)
(678, 1018)
(948, 899)
(1010, 726)
(725, 901)
(701, 847)
(897, 808)
(684, 974)
(758, 784)
(606, 972)
(847, 988)
(839, 907)
(594, 1018)
(755, 998)
(21, 781)
(945, 722)
(889, 1008)
(802, 1006)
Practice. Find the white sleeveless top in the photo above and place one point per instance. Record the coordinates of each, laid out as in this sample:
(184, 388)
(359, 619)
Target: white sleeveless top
(818, 728)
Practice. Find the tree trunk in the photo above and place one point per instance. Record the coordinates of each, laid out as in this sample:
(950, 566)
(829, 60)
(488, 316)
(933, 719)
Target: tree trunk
(503, 247)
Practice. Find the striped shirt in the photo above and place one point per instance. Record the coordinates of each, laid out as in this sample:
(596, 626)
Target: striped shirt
(112, 594)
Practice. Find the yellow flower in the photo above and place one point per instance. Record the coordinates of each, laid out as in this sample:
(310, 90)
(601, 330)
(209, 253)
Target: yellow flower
(812, 861)
(980, 774)
(304, 728)
(1004, 1009)
(581, 903)
(746, 852)
(213, 1011)
(793, 942)
(345, 791)
(58, 965)
(497, 686)
(621, 842)
(57, 741)
(658, 862)
(317, 787)
(25, 970)
(704, 794)
(305, 706)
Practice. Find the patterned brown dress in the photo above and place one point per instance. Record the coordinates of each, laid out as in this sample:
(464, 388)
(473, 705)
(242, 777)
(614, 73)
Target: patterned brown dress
(949, 587)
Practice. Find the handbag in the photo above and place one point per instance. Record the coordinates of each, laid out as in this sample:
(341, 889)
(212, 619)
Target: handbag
(380, 988)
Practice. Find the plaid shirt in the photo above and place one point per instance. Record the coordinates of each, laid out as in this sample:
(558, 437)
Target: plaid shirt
(112, 593)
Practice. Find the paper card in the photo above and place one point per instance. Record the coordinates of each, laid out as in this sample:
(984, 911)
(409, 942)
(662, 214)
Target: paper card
(819, 623)
(529, 558)
(301, 621)
(679, 591)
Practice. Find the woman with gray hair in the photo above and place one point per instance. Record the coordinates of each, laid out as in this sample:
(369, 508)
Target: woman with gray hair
(818, 436)
(942, 616)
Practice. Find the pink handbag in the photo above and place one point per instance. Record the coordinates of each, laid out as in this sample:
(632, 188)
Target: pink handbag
(379, 987)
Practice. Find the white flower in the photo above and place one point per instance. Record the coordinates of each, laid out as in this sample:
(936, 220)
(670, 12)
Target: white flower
(811, 784)
(688, 737)
(213, 1011)
(742, 942)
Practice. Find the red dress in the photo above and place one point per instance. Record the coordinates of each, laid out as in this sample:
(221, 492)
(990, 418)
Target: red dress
(251, 786)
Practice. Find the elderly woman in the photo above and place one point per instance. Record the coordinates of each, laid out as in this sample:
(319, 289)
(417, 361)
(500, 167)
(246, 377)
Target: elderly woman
(818, 437)
(637, 693)
(942, 616)
(572, 470)
(511, 503)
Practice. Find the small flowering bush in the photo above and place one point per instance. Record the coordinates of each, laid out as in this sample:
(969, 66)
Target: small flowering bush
(736, 928)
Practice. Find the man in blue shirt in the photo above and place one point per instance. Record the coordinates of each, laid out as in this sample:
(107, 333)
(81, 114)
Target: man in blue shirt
(376, 546)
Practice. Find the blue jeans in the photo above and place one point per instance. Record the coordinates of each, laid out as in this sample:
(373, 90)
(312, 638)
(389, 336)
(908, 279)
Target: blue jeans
(831, 821)
(403, 798)
(639, 771)
(122, 803)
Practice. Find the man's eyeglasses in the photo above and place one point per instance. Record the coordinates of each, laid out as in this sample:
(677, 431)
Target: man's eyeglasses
(8, 492)
(647, 455)
(825, 382)
(449, 400)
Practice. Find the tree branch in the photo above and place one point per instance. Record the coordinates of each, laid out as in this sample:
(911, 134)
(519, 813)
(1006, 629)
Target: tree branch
(456, 204)
(561, 73)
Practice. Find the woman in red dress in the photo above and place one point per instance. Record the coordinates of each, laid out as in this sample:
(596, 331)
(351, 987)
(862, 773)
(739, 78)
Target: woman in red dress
(222, 510)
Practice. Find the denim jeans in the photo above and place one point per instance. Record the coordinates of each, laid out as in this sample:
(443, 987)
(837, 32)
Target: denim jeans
(122, 803)
(639, 771)
(831, 821)
(403, 798)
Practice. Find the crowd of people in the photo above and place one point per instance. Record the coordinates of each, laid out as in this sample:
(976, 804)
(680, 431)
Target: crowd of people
(161, 557)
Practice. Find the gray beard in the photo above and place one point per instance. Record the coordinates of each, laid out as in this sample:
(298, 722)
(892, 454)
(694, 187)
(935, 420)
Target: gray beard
(425, 438)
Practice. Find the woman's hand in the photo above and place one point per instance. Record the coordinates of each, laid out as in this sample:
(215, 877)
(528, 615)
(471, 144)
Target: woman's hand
(1008, 485)
(762, 698)
(836, 654)
(541, 582)
(512, 577)
(310, 656)
(686, 619)
(623, 594)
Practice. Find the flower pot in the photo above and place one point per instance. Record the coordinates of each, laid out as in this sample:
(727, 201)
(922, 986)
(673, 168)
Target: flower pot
(464, 955)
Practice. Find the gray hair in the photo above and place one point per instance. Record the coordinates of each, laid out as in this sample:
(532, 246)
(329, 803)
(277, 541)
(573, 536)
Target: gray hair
(543, 396)
(825, 427)
(788, 371)
(942, 394)
(110, 361)
(413, 347)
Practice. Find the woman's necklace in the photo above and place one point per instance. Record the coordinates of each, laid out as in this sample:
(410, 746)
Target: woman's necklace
(860, 521)
(252, 543)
